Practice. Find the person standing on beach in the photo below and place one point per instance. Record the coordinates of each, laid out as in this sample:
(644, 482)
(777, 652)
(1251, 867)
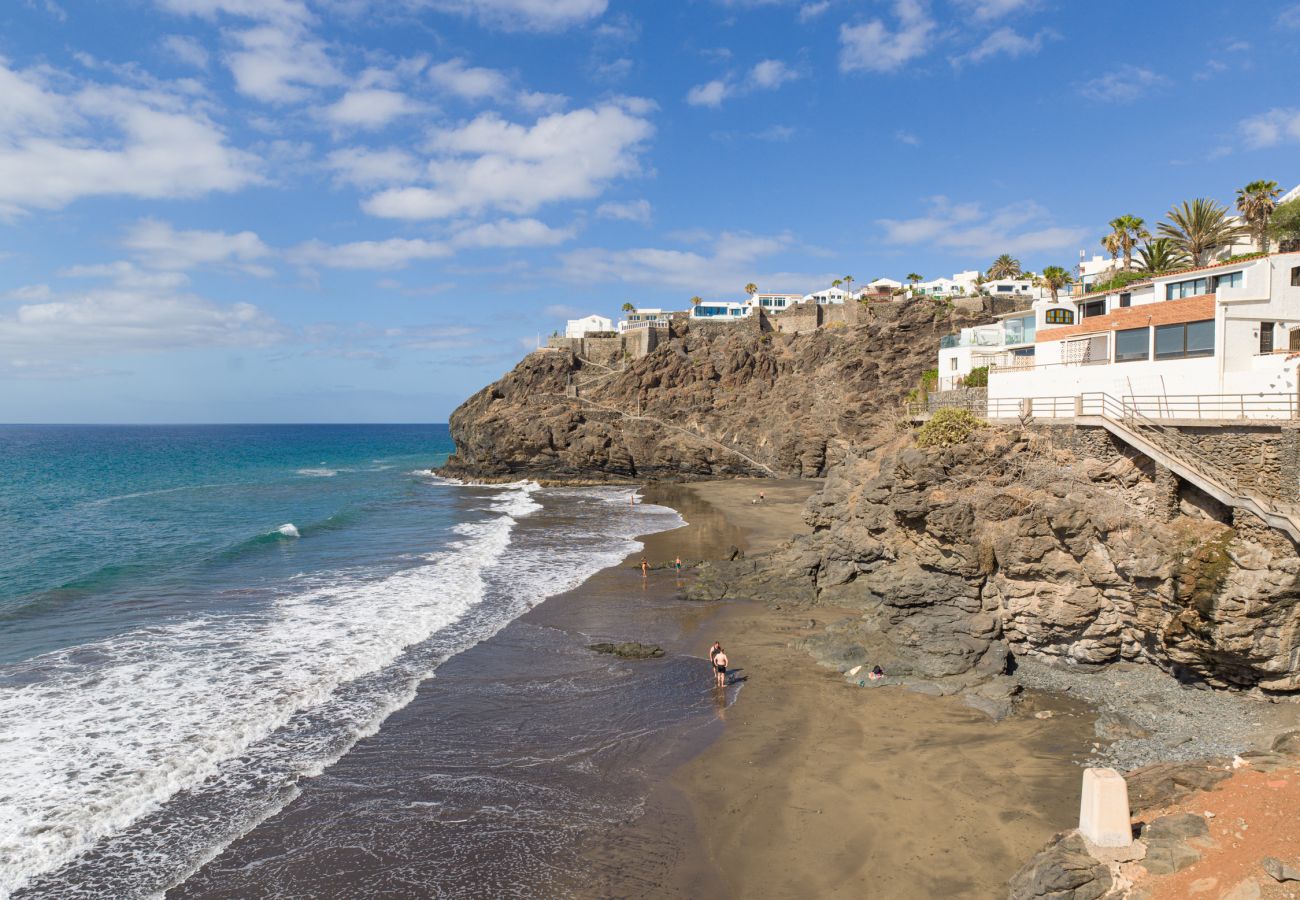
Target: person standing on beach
(645, 568)
(677, 564)
(714, 651)
(720, 667)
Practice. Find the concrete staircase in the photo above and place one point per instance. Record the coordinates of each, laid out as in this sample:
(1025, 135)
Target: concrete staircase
(1171, 449)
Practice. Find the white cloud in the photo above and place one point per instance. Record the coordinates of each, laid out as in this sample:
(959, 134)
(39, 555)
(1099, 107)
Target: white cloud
(967, 228)
(102, 141)
(1269, 129)
(985, 10)
(362, 167)
(261, 10)
(186, 50)
(472, 83)
(393, 253)
(1006, 42)
(907, 137)
(370, 108)
(127, 316)
(873, 47)
(810, 11)
(731, 261)
(526, 15)
(711, 94)
(489, 163)
(770, 74)
(512, 233)
(1124, 85)
(1289, 17)
(160, 246)
(632, 211)
(279, 64)
(767, 75)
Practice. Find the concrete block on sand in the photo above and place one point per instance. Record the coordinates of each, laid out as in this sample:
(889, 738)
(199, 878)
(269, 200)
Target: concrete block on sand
(1103, 809)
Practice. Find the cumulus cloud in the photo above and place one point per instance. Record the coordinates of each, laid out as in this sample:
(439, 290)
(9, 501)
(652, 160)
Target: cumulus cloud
(525, 15)
(158, 245)
(1269, 129)
(632, 211)
(186, 50)
(393, 253)
(986, 10)
(810, 11)
(767, 75)
(262, 10)
(725, 263)
(1006, 42)
(363, 167)
(134, 312)
(1289, 17)
(59, 144)
(277, 64)
(473, 83)
(968, 228)
(512, 233)
(874, 47)
(369, 108)
(490, 163)
(1124, 85)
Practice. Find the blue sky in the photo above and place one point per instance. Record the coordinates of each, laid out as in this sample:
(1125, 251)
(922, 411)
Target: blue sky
(364, 210)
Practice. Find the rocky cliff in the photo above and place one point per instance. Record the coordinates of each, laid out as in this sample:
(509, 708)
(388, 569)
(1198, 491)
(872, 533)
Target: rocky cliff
(1020, 543)
(713, 400)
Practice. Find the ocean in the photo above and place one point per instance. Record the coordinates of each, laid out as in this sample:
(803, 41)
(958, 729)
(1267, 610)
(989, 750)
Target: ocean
(197, 621)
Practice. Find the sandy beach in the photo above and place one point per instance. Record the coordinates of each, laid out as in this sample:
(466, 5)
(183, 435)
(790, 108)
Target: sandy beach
(817, 788)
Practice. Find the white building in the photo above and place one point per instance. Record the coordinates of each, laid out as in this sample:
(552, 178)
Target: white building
(1096, 269)
(645, 318)
(577, 328)
(722, 310)
(879, 288)
(960, 284)
(774, 303)
(1204, 343)
(830, 295)
(1007, 343)
(1015, 287)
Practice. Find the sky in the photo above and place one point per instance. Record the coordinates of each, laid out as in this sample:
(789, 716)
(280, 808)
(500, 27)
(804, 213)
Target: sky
(366, 210)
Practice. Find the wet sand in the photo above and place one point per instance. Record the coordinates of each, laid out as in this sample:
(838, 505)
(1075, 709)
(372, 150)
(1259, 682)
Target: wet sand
(818, 789)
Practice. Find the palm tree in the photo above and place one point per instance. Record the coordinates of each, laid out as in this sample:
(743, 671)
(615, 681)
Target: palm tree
(1128, 230)
(1160, 256)
(914, 278)
(628, 307)
(696, 301)
(1256, 202)
(1054, 278)
(1005, 266)
(751, 289)
(1110, 243)
(1200, 227)
(848, 284)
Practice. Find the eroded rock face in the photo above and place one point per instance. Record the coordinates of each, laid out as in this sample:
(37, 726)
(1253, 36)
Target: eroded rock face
(952, 559)
(726, 402)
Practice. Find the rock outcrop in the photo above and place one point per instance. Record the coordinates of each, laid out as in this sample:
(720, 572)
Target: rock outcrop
(1011, 544)
(712, 400)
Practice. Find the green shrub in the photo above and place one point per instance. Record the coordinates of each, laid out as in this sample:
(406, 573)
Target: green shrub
(978, 377)
(948, 426)
(1121, 279)
(1285, 223)
(929, 380)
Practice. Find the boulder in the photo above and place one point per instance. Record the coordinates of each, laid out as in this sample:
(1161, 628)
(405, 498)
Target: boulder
(1063, 870)
(629, 650)
(1279, 870)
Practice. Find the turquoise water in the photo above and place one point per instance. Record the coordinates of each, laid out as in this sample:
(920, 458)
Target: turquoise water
(192, 619)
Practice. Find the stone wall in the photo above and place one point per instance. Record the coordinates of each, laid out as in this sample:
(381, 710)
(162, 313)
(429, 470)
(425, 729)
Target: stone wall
(605, 351)
(609, 350)
(1260, 459)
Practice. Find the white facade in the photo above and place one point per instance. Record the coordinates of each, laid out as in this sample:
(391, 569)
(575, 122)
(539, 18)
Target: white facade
(830, 295)
(773, 303)
(1221, 349)
(1007, 343)
(722, 310)
(645, 318)
(577, 328)
(1017, 287)
(1097, 268)
(960, 284)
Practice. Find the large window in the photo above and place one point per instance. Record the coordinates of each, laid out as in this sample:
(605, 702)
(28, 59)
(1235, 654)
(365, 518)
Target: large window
(1019, 330)
(1231, 280)
(1125, 301)
(1133, 344)
(1193, 288)
(1185, 340)
(1092, 308)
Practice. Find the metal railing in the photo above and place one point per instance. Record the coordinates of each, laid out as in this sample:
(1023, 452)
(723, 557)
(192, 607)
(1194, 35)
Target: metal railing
(1258, 407)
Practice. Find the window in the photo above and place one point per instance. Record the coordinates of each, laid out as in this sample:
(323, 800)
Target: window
(1193, 288)
(1185, 340)
(1005, 288)
(1125, 301)
(1132, 344)
(1059, 317)
(1295, 276)
(1019, 330)
(953, 364)
(1265, 337)
(1093, 308)
(1231, 280)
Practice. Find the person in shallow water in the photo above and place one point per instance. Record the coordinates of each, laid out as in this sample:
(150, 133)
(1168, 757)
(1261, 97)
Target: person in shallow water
(645, 568)
(677, 564)
(720, 667)
(714, 650)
